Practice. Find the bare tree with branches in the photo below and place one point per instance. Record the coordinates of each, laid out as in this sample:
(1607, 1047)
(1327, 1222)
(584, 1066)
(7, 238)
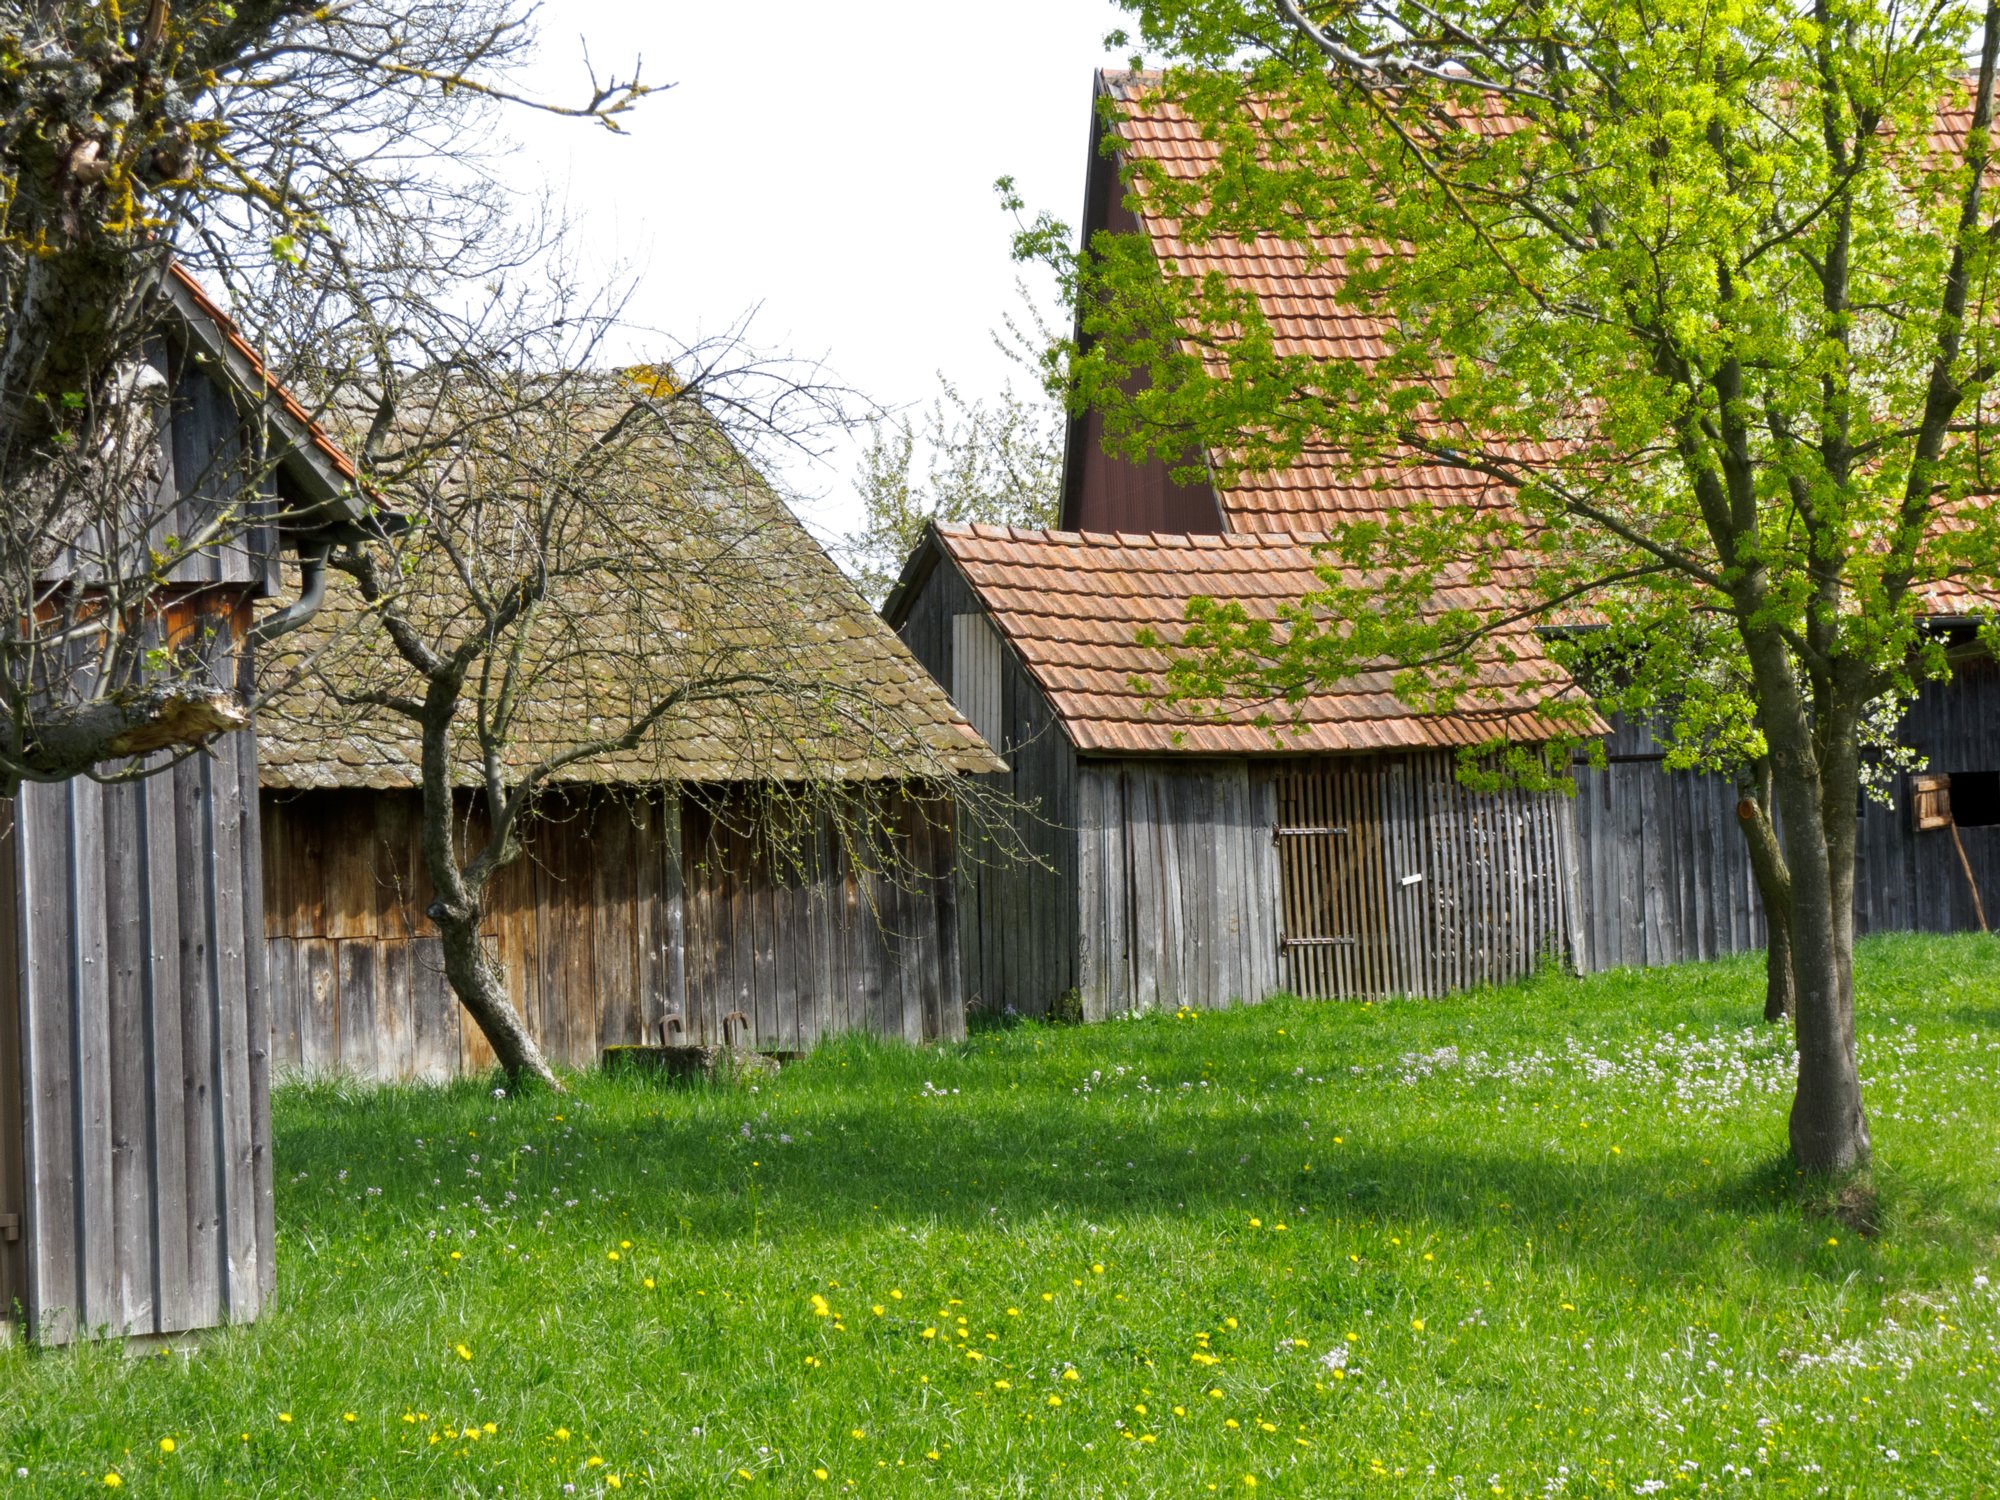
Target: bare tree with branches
(588, 573)
(315, 160)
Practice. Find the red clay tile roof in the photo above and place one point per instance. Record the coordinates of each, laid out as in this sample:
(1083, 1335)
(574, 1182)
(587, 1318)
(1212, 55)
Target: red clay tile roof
(1072, 604)
(1295, 283)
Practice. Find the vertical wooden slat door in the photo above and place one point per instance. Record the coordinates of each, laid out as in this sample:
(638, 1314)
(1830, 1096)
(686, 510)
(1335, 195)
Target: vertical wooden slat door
(1333, 912)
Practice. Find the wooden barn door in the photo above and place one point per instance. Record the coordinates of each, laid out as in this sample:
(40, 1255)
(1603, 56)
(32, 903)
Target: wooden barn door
(1333, 914)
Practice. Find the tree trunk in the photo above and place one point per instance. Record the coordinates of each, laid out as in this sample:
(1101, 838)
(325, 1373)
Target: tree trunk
(1767, 864)
(474, 973)
(1828, 1128)
(1780, 992)
(482, 989)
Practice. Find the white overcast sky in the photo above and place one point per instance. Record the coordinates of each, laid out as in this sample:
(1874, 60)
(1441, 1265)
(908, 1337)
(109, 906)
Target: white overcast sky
(831, 165)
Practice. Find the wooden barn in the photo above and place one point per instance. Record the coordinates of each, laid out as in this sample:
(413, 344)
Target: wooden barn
(1184, 861)
(657, 894)
(1664, 876)
(1661, 871)
(135, 1167)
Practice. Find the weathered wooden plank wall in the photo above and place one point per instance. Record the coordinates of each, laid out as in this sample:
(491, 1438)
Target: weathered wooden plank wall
(13, 1162)
(830, 932)
(1664, 876)
(626, 908)
(1399, 880)
(1177, 884)
(145, 1122)
(1018, 872)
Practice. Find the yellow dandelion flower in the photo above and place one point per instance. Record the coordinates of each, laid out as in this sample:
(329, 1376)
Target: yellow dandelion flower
(894, 1295)
(820, 1474)
(463, 1352)
(1147, 1437)
(1231, 1423)
(284, 1416)
(1231, 1322)
(167, 1445)
(930, 1333)
(112, 1481)
(1256, 1223)
(1249, 1481)
(857, 1434)
(1048, 1296)
(745, 1474)
(1071, 1375)
(624, 1244)
(490, 1428)
(1833, 1242)
(1216, 1394)
(1268, 1426)
(931, 1453)
(877, 1308)
(1003, 1385)
(348, 1416)
(562, 1434)
(614, 1482)
(593, 1462)
(648, 1283)
(1097, 1270)
(1055, 1401)
(1180, 1411)
(611, 1255)
(819, 1307)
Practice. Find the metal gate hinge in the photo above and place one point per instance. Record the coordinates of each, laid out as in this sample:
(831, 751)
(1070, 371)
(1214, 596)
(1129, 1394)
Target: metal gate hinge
(10, 1228)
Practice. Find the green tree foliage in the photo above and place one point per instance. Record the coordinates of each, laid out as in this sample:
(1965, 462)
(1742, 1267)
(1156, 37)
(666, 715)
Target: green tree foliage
(962, 460)
(1704, 290)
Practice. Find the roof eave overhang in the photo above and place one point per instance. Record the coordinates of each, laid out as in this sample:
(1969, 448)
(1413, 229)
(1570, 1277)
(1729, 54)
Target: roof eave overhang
(318, 478)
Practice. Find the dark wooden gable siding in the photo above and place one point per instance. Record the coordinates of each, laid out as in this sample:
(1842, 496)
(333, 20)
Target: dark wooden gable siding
(1101, 491)
(1017, 898)
(211, 467)
(142, 1049)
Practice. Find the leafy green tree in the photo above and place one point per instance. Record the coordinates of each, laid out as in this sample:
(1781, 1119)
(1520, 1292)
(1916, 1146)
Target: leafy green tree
(1705, 290)
(962, 460)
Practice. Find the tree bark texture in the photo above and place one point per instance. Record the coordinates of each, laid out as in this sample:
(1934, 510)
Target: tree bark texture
(474, 972)
(1767, 864)
(1815, 798)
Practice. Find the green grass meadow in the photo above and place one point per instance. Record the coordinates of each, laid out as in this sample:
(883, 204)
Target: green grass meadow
(1536, 1241)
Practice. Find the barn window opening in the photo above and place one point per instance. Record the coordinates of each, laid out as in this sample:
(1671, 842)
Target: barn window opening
(975, 676)
(1975, 798)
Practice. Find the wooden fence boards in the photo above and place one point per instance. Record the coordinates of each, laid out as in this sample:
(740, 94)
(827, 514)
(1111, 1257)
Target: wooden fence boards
(1397, 879)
